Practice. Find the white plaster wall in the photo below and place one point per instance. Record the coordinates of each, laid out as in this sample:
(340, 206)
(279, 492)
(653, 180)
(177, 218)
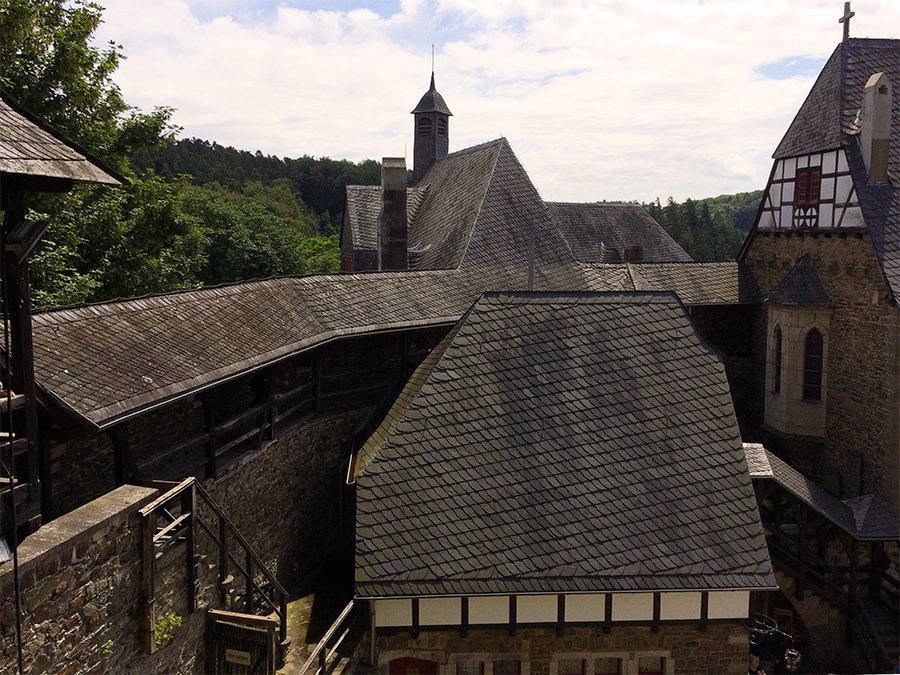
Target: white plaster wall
(440, 611)
(588, 607)
(536, 608)
(393, 612)
(728, 605)
(632, 607)
(490, 609)
(674, 606)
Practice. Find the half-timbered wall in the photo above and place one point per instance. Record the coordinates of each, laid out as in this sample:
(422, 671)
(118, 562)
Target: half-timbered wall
(824, 198)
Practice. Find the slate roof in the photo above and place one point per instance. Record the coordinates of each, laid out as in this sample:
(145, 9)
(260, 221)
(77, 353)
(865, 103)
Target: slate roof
(828, 119)
(698, 283)
(432, 101)
(29, 146)
(801, 287)
(363, 205)
(589, 228)
(866, 518)
(563, 443)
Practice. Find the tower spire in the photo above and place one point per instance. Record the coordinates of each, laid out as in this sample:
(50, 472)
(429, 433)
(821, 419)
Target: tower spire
(431, 131)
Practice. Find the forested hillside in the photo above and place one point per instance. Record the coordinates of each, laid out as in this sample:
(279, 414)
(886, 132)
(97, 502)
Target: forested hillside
(317, 183)
(710, 229)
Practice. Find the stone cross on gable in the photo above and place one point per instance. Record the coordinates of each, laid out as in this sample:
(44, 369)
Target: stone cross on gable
(846, 20)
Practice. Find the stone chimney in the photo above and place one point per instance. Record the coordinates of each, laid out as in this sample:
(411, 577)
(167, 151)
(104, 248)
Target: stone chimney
(875, 134)
(392, 245)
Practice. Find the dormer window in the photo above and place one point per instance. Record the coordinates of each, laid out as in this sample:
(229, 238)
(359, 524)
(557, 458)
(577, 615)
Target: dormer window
(807, 187)
(806, 197)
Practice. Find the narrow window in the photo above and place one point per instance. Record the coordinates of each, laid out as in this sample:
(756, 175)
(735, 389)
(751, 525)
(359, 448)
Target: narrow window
(776, 387)
(807, 187)
(442, 126)
(812, 366)
(425, 126)
(347, 263)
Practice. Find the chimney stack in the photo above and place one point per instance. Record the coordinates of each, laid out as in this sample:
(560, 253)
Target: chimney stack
(392, 236)
(875, 135)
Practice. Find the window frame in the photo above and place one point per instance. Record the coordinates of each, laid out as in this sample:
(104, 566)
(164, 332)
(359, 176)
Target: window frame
(813, 365)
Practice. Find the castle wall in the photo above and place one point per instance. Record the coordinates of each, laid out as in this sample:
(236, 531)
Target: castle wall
(862, 399)
(81, 594)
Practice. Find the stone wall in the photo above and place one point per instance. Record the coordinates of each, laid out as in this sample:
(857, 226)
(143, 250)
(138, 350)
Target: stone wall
(81, 596)
(862, 400)
(723, 648)
(288, 501)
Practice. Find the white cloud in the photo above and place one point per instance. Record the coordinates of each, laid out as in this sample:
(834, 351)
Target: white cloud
(600, 100)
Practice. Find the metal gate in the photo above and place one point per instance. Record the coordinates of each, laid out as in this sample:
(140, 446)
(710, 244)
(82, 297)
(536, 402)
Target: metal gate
(236, 648)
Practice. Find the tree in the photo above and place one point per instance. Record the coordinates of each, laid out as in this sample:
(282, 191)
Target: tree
(104, 242)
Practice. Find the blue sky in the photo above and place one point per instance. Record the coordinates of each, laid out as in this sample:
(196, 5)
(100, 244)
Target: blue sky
(600, 99)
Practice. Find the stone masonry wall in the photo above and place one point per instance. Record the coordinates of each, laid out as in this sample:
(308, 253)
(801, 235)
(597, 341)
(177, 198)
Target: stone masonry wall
(862, 399)
(723, 648)
(287, 500)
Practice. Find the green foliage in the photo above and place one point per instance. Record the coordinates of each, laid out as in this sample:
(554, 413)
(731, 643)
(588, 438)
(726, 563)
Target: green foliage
(705, 228)
(107, 649)
(322, 255)
(165, 628)
(318, 183)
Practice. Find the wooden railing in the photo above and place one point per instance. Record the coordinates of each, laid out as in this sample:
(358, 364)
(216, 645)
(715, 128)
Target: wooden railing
(172, 519)
(327, 648)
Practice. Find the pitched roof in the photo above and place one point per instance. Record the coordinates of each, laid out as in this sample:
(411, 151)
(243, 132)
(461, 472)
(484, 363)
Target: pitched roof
(698, 283)
(563, 443)
(432, 101)
(363, 206)
(31, 147)
(801, 287)
(828, 119)
(588, 228)
(110, 361)
(867, 517)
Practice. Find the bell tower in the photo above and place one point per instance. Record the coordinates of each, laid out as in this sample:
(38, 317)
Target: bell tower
(431, 131)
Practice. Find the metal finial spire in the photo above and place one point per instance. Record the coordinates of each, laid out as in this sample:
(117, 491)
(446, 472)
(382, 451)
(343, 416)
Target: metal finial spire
(432, 59)
(846, 20)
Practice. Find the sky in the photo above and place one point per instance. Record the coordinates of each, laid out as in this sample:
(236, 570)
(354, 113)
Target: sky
(615, 100)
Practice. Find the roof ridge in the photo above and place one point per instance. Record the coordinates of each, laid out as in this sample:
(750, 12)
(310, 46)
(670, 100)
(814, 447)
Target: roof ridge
(501, 143)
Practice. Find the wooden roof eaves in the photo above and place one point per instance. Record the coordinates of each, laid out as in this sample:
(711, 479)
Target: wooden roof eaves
(111, 415)
(117, 178)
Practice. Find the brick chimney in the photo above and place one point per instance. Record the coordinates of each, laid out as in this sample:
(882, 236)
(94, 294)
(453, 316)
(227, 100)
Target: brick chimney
(392, 244)
(875, 134)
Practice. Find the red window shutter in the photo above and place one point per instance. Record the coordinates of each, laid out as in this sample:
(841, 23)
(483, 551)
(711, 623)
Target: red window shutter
(815, 181)
(800, 187)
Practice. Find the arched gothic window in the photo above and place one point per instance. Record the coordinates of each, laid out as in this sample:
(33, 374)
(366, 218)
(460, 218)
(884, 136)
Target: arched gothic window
(813, 356)
(776, 386)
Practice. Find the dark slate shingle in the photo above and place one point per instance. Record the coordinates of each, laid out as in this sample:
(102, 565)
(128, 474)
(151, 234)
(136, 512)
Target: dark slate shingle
(801, 287)
(598, 429)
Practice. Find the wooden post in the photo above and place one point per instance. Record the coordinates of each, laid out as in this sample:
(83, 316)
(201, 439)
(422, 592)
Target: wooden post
(149, 563)
(209, 418)
(189, 506)
(414, 632)
(249, 582)
(801, 517)
(317, 379)
(512, 616)
(657, 607)
(223, 558)
(607, 616)
(704, 611)
(560, 614)
(464, 618)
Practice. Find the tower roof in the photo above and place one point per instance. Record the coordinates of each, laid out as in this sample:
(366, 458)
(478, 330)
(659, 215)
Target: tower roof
(432, 101)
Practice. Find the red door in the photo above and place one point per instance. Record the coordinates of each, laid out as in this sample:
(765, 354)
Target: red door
(410, 666)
